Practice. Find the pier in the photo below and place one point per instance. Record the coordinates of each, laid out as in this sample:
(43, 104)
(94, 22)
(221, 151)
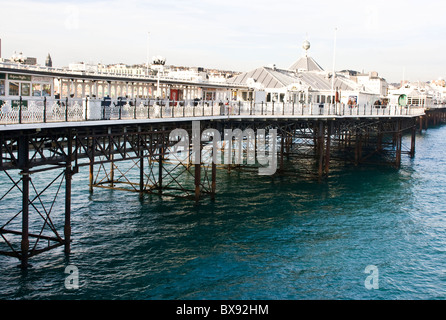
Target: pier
(59, 137)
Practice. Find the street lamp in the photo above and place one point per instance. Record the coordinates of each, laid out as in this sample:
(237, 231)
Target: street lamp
(158, 63)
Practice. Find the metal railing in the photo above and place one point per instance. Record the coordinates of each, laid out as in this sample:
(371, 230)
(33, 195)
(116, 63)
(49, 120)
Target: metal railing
(47, 109)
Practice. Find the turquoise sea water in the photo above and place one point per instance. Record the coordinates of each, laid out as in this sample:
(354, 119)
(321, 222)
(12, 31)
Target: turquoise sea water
(262, 238)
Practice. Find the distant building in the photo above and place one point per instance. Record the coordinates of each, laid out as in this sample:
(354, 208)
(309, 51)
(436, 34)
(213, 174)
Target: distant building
(122, 69)
(439, 82)
(48, 61)
(30, 61)
(415, 94)
(20, 58)
(373, 83)
(81, 66)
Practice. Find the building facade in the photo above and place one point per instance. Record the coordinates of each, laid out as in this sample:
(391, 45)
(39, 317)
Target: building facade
(304, 82)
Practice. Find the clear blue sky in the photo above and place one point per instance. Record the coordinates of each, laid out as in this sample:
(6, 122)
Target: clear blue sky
(385, 36)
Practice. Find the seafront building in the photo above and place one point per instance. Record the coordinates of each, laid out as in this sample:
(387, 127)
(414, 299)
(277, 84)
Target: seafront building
(83, 80)
(305, 82)
(426, 94)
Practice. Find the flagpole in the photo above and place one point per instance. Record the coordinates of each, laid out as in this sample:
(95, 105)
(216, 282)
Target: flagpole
(333, 74)
(147, 58)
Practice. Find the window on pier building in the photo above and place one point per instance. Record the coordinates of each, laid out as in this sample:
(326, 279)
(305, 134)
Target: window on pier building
(2, 88)
(25, 89)
(46, 90)
(37, 90)
(13, 89)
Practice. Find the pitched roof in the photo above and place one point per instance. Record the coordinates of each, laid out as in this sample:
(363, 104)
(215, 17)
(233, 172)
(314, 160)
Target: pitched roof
(272, 78)
(322, 82)
(306, 64)
(262, 75)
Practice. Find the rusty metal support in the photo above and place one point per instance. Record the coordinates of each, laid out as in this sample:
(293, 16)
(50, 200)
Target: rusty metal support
(398, 144)
(320, 148)
(91, 164)
(91, 176)
(379, 143)
(112, 169)
(67, 226)
(68, 178)
(328, 146)
(141, 175)
(197, 181)
(282, 150)
(160, 170)
(23, 162)
(358, 147)
(412, 141)
(24, 246)
(214, 180)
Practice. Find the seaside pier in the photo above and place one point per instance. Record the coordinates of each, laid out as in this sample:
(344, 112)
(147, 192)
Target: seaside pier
(129, 148)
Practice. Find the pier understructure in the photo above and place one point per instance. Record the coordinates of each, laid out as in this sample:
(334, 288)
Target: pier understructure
(432, 117)
(39, 161)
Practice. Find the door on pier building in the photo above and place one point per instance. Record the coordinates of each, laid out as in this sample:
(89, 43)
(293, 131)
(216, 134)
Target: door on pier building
(174, 94)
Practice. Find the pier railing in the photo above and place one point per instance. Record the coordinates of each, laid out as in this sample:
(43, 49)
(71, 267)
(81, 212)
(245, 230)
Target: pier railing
(43, 110)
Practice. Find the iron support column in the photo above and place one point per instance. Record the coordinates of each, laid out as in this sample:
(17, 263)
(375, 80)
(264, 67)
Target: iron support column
(398, 145)
(25, 218)
(23, 157)
(160, 170)
(67, 227)
(197, 181)
(91, 166)
(358, 148)
(141, 174)
(68, 178)
(412, 142)
(282, 150)
(328, 146)
(320, 149)
(214, 180)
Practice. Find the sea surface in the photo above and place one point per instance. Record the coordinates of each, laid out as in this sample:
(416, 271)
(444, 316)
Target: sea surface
(366, 232)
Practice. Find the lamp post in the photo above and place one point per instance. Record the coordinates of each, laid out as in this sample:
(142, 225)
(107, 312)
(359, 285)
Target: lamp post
(158, 62)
